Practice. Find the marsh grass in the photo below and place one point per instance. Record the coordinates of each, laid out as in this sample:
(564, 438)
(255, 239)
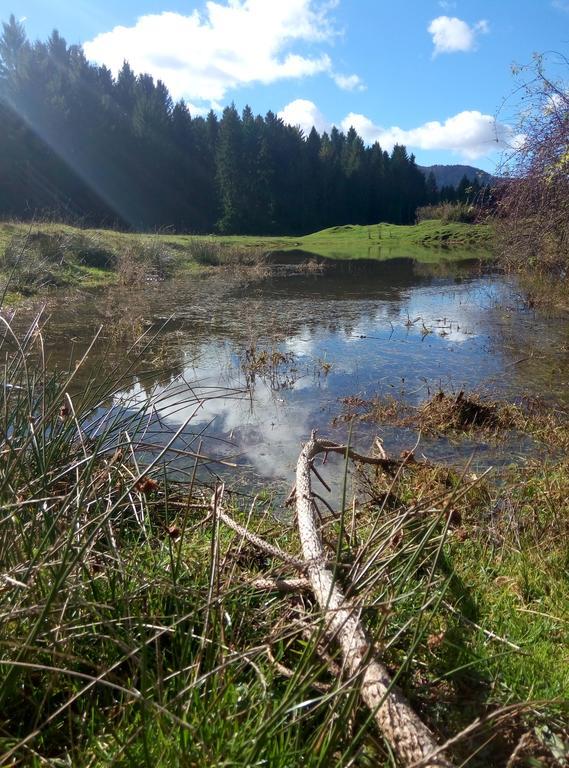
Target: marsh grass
(132, 631)
(449, 212)
(144, 260)
(466, 414)
(34, 259)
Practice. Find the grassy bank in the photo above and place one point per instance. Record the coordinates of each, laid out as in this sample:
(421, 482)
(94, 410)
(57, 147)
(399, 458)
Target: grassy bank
(46, 255)
(135, 631)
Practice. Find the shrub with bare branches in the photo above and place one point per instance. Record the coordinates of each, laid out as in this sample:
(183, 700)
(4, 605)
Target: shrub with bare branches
(533, 225)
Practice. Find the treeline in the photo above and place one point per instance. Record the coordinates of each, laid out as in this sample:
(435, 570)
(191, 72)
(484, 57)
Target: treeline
(79, 144)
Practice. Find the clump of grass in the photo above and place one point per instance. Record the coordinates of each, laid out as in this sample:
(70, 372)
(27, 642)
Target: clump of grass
(206, 252)
(272, 365)
(41, 258)
(213, 252)
(465, 413)
(144, 260)
(450, 212)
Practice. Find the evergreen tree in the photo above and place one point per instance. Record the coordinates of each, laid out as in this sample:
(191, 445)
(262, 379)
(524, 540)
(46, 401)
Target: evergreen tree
(230, 172)
(431, 189)
(77, 142)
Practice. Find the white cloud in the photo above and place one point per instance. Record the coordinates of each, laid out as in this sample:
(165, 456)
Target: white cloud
(451, 34)
(470, 134)
(305, 114)
(233, 43)
(349, 82)
(561, 5)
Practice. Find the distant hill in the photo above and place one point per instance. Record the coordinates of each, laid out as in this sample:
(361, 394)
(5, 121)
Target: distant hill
(451, 175)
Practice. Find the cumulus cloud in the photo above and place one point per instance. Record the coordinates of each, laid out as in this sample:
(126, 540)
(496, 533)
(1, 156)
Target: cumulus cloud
(349, 82)
(469, 134)
(233, 43)
(304, 114)
(451, 34)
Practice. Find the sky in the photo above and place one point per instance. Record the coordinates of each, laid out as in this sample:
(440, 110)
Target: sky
(435, 75)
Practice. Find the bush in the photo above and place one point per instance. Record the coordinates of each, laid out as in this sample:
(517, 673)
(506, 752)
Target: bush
(533, 207)
(449, 213)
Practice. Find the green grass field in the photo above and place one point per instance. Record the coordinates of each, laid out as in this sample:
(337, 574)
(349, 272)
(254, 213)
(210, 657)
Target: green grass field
(49, 254)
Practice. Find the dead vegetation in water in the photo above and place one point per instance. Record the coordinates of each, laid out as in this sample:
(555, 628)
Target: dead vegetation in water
(278, 369)
(464, 413)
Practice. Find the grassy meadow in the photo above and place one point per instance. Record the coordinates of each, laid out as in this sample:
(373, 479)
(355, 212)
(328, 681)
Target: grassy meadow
(37, 256)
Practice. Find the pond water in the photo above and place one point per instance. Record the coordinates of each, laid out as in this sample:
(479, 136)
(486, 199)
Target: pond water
(246, 365)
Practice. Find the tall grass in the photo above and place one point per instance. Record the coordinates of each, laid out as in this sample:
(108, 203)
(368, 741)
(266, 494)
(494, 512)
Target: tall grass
(35, 258)
(450, 213)
(132, 630)
(132, 627)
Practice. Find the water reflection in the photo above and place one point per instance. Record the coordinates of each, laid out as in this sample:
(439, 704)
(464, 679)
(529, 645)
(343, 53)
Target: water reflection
(399, 329)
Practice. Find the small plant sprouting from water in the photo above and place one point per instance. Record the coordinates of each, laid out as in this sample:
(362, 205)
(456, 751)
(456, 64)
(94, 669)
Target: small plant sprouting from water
(323, 367)
(271, 365)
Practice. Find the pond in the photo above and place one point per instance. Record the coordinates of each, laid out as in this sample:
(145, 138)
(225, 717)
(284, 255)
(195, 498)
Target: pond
(245, 365)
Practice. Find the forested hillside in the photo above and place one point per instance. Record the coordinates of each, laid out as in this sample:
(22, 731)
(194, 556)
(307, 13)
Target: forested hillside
(454, 175)
(78, 144)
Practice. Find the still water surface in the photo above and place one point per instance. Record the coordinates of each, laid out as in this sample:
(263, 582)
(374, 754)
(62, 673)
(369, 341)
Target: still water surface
(400, 328)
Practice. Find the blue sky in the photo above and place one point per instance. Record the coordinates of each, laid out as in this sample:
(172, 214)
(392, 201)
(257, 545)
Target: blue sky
(431, 74)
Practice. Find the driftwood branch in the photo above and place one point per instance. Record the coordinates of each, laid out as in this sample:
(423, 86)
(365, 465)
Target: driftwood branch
(408, 736)
(252, 538)
(282, 585)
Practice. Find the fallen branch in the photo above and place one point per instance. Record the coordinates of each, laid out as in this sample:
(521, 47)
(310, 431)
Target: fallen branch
(282, 585)
(252, 538)
(408, 736)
